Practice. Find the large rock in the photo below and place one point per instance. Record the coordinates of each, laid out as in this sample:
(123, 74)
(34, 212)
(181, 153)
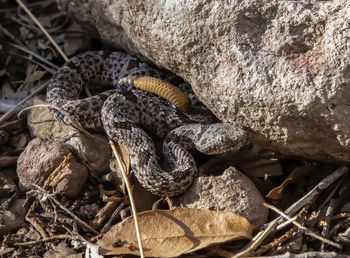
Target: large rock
(232, 191)
(279, 68)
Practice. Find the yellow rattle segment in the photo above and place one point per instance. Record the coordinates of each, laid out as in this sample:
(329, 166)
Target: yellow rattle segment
(164, 89)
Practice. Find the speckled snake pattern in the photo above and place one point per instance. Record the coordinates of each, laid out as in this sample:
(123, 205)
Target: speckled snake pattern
(128, 115)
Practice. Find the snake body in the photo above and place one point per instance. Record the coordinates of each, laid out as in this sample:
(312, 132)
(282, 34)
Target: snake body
(128, 114)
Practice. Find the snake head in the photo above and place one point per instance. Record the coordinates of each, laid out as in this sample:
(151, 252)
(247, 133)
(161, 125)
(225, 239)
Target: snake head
(221, 137)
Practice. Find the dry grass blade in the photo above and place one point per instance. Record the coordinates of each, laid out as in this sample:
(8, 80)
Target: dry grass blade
(53, 68)
(52, 238)
(307, 231)
(81, 222)
(9, 113)
(132, 202)
(262, 235)
(43, 29)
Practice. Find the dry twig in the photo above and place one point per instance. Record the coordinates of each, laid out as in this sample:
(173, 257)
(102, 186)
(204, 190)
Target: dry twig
(81, 222)
(306, 230)
(55, 175)
(128, 187)
(260, 237)
(113, 216)
(9, 113)
(42, 29)
(63, 236)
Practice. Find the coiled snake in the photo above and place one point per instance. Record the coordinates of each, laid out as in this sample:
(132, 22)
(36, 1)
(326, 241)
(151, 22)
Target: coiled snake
(127, 115)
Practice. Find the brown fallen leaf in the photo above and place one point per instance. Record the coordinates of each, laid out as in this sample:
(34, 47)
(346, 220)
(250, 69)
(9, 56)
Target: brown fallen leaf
(169, 233)
(277, 192)
(35, 76)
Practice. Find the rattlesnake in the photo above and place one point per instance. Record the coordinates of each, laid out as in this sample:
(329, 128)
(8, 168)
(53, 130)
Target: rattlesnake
(127, 115)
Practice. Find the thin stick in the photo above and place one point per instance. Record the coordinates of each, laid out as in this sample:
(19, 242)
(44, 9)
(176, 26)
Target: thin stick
(37, 226)
(260, 236)
(10, 35)
(324, 184)
(10, 112)
(329, 213)
(113, 216)
(63, 236)
(43, 29)
(258, 239)
(55, 67)
(286, 223)
(50, 70)
(81, 222)
(58, 171)
(128, 187)
(307, 231)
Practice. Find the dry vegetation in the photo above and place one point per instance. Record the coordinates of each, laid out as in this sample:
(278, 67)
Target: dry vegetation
(314, 196)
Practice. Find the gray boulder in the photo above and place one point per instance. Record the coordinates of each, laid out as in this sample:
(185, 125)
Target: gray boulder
(281, 69)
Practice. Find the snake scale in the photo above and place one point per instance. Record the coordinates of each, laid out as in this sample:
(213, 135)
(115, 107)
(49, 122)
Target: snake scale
(128, 115)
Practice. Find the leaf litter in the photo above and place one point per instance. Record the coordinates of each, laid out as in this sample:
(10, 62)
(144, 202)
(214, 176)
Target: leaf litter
(169, 233)
(27, 60)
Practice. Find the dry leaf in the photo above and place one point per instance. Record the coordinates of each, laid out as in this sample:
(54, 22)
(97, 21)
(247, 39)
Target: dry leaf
(277, 192)
(172, 233)
(36, 76)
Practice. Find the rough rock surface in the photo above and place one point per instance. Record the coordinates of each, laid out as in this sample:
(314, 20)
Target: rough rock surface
(37, 161)
(41, 124)
(232, 191)
(41, 158)
(278, 68)
(72, 179)
(93, 149)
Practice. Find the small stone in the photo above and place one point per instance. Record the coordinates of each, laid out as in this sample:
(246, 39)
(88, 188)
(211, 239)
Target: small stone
(72, 179)
(93, 150)
(41, 158)
(62, 250)
(88, 211)
(232, 191)
(38, 160)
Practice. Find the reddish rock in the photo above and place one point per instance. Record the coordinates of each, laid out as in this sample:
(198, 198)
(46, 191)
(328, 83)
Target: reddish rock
(41, 158)
(72, 179)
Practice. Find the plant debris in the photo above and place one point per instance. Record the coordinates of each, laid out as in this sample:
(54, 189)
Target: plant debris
(309, 200)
